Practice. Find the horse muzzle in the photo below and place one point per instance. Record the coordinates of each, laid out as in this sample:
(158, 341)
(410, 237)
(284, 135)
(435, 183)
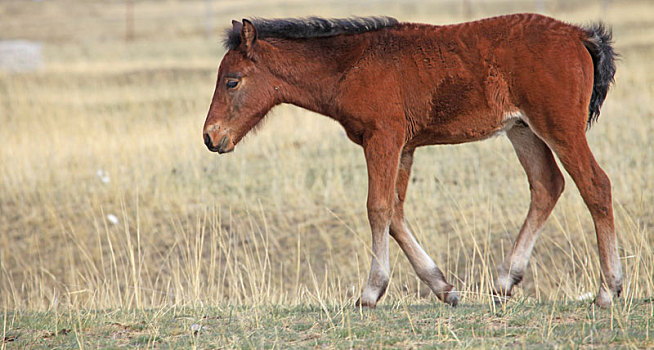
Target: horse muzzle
(224, 144)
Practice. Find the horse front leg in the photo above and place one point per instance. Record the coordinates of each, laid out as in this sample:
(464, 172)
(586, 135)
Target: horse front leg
(419, 259)
(382, 153)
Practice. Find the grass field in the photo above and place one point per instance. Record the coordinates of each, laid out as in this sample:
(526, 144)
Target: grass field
(118, 227)
(401, 324)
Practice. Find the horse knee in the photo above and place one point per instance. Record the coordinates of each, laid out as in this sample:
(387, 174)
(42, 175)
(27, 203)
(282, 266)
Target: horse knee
(379, 213)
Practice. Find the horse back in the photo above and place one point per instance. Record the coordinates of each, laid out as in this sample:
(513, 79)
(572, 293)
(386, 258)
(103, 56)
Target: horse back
(467, 81)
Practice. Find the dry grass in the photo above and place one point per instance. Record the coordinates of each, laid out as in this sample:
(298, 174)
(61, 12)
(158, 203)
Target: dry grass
(281, 220)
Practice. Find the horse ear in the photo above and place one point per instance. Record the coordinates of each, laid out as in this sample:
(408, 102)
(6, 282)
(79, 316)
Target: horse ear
(237, 26)
(248, 37)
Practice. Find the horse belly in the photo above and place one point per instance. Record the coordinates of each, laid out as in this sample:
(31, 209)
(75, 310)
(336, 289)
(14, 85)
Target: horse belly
(458, 133)
(468, 108)
(466, 128)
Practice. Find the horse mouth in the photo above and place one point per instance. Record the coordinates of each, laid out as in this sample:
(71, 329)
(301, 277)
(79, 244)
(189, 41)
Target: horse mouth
(225, 150)
(220, 150)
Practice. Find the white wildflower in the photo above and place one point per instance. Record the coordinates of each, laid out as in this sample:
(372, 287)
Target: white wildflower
(196, 328)
(104, 177)
(112, 219)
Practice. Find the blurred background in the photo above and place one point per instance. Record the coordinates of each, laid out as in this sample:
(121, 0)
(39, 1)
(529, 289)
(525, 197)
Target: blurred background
(108, 197)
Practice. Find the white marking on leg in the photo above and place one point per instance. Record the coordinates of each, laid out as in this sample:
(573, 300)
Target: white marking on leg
(379, 272)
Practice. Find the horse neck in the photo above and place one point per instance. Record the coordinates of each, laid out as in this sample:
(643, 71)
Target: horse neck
(311, 70)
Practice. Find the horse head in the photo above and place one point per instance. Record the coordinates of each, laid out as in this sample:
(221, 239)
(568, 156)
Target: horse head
(245, 92)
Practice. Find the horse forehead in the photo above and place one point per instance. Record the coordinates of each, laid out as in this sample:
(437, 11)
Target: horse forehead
(235, 60)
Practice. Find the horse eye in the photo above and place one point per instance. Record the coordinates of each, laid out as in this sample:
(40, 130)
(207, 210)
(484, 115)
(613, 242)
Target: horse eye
(231, 84)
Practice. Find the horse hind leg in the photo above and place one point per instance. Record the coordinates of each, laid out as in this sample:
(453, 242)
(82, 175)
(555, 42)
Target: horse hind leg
(595, 188)
(546, 184)
(571, 146)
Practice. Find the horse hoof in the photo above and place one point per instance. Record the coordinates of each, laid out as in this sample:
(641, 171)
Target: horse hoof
(603, 299)
(452, 298)
(500, 299)
(365, 304)
(605, 296)
(601, 303)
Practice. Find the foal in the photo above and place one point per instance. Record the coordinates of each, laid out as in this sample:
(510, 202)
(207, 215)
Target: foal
(397, 86)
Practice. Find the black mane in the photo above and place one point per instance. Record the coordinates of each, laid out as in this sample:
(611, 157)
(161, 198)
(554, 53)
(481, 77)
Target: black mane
(310, 27)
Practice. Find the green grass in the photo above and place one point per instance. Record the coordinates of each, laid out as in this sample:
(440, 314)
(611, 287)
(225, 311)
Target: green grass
(398, 325)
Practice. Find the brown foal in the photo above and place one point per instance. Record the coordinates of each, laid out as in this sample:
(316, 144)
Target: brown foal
(397, 86)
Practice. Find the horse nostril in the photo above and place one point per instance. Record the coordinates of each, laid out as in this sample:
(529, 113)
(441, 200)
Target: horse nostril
(207, 140)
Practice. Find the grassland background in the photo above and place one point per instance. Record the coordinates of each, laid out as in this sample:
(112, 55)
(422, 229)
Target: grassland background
(281, 221)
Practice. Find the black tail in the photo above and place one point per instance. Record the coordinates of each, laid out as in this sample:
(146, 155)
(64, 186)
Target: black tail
(600, 45)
